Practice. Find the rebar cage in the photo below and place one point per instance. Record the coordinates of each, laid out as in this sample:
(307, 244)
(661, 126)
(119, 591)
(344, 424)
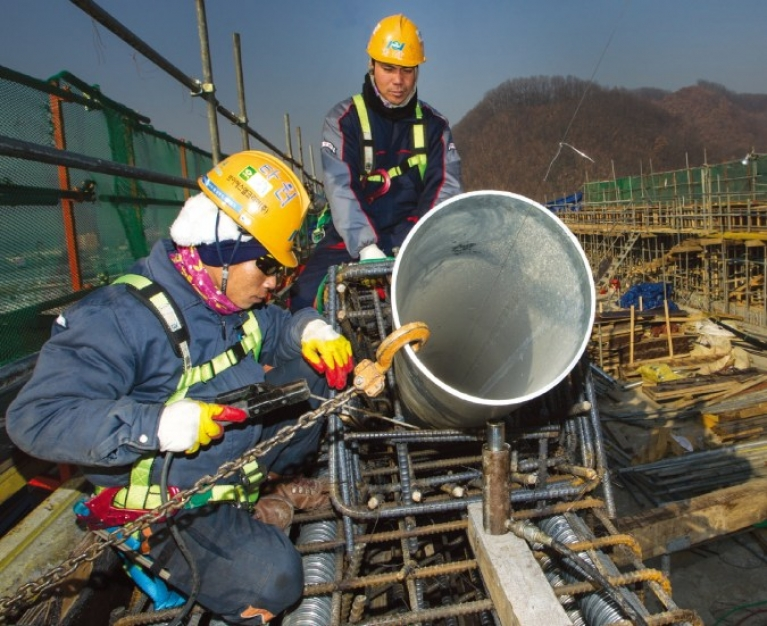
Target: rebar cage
(396, 550)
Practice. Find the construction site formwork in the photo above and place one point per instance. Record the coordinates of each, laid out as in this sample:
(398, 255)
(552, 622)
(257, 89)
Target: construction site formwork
(701, 230)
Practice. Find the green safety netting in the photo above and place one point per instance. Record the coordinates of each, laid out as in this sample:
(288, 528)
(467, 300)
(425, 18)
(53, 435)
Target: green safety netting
(67, 230)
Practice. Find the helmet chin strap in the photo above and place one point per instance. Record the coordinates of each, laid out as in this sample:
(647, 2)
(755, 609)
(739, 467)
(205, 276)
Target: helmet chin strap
(225, 265)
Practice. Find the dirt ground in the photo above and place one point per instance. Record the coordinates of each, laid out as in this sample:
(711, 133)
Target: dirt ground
(724, 581)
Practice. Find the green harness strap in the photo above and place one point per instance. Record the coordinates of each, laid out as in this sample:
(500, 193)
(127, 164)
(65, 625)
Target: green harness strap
(418, 158)
(250, 342)
(368, 156)
(141, 493)
(161, 304)
(323, 219)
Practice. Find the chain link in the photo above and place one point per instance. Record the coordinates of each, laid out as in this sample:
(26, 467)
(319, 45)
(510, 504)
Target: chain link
(26, 594)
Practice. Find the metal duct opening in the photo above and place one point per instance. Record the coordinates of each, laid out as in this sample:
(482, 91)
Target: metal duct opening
(508, 296)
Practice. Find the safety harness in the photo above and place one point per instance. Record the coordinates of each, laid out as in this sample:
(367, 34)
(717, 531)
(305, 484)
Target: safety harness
(417, 159)
(116, 506)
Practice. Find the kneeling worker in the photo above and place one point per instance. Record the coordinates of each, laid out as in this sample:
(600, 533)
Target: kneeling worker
(115, 387)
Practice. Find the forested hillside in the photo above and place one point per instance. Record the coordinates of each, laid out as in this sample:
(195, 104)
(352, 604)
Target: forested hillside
(525, 135)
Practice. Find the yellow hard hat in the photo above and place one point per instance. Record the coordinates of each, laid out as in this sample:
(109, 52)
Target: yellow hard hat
(396, 40)
(264, 197)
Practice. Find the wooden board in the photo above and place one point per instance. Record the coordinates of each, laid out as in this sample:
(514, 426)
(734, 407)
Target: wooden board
(658, 348)
(16, 472)
(661, 393)
(521, 594)
(681, 525)
(726, 385)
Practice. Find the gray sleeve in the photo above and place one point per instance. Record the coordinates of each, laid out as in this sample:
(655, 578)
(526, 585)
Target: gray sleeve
(452, 185)
(340, 163)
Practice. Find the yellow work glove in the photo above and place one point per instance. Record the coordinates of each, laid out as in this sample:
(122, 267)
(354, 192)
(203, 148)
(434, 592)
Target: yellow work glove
(327, 352)
(188, 424)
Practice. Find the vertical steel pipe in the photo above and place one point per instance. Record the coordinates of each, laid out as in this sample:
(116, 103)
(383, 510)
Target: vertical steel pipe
(496, 467)
(240, 90)
(208, 87)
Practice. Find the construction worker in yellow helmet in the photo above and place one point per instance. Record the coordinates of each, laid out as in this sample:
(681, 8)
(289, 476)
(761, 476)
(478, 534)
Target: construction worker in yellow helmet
(129, 387)
(387, 159)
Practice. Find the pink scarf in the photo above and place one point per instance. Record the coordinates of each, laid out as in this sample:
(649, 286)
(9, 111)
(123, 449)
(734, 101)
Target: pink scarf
(188, 263)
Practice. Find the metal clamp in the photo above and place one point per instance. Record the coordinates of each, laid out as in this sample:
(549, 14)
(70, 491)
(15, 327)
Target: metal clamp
(369, 376)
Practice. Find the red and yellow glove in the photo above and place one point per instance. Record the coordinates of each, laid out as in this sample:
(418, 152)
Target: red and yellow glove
(188, 424)
(327, 352)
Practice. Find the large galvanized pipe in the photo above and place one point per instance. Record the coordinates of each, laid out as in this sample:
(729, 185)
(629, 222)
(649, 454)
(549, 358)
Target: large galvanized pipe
(509, 298)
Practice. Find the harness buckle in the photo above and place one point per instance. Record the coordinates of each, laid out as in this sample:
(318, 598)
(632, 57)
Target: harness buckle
(385, 184)
(102, 513)
(318, 234)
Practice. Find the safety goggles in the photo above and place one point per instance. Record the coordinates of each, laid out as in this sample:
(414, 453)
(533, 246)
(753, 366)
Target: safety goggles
(269, 265)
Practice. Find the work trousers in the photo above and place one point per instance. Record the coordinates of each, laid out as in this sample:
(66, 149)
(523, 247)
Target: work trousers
(303, 292)
(241, 562)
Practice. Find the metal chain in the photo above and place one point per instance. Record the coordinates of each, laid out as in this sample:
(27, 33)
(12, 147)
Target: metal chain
(26, 594)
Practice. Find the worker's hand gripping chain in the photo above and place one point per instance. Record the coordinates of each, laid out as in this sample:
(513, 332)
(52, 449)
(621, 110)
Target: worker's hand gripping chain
(369, 378)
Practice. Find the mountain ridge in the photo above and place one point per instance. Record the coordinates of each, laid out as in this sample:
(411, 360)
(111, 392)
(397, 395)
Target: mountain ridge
(543, 137)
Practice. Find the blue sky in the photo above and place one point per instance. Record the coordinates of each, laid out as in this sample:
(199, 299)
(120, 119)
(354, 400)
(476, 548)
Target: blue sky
(302, 56)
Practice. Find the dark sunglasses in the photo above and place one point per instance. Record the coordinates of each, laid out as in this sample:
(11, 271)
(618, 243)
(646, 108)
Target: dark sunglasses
(269, 265)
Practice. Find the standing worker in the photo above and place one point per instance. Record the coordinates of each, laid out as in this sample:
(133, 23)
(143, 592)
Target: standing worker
(126, 388)
(387, 159)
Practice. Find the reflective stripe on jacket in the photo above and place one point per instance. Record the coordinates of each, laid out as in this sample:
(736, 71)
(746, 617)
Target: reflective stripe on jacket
(100, 382)
(358, 221)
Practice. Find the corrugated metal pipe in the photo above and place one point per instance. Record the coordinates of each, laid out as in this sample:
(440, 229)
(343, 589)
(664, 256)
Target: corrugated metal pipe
(318, 568)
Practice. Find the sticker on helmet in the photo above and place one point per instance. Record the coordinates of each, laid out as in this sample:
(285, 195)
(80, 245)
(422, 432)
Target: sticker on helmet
(255, 181)
(219, 193)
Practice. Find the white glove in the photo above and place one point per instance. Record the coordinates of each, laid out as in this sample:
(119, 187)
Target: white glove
(371, 253)
(179, 426)
(319, 330)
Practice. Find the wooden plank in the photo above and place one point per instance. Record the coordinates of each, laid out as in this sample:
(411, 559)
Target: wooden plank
(751, 410)
(668, 330)
(724, 385)
(681, 525)
(659, 393)
(757, 380)
(42, 539)
(521, 594)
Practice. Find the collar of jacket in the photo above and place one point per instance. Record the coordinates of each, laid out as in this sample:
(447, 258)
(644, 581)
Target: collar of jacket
(158, 267)
(374, 103)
